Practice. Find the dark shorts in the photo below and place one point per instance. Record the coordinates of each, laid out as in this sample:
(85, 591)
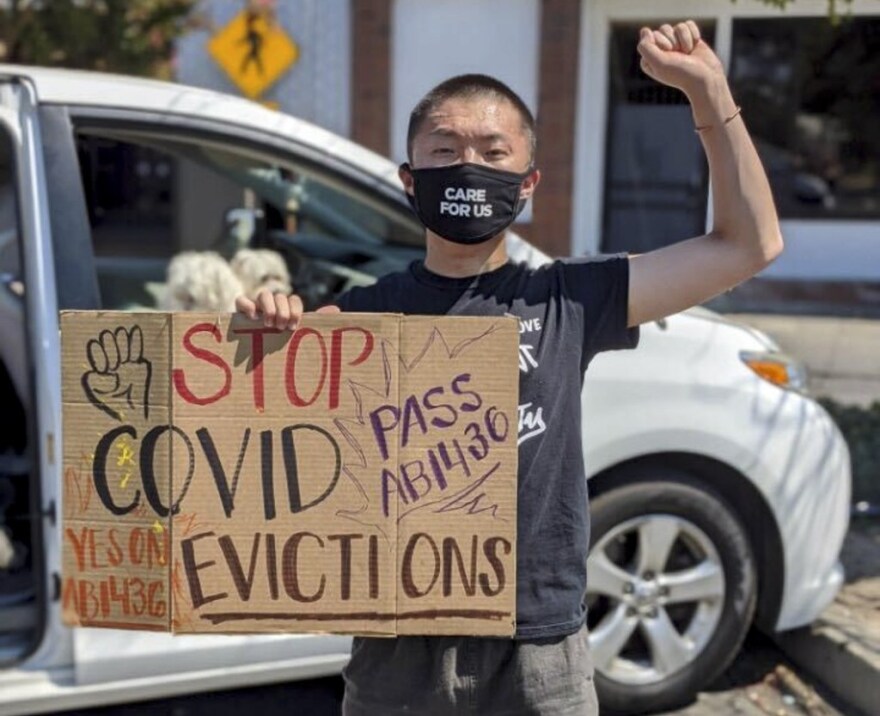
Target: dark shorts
(445, 676)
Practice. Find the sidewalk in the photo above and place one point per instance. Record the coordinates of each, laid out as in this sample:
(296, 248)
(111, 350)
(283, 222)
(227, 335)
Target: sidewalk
(841, 648)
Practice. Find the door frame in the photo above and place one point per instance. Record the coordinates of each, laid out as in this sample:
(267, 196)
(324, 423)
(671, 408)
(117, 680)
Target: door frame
(19, 118)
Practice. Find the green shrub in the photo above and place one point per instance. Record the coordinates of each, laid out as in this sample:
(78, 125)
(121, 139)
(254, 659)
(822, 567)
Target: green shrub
(861, 430)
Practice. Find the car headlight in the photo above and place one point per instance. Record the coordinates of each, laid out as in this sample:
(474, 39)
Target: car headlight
(777, 368)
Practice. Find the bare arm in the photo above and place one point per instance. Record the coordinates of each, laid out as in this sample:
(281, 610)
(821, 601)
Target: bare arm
(745, 235)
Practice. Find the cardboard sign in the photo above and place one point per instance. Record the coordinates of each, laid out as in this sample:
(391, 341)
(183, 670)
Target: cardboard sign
(355, 476)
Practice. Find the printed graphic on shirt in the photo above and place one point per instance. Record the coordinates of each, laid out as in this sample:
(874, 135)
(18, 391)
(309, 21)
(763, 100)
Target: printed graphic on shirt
(530, 416)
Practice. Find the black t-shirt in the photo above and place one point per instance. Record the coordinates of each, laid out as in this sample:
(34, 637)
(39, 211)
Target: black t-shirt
(569, 311)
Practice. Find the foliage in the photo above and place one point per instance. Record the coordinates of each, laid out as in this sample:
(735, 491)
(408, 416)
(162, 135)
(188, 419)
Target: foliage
(127, 36)
(861, 430)
(834, 7)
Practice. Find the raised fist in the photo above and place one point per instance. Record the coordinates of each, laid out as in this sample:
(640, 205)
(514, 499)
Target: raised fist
(677, 56)
(118, 378)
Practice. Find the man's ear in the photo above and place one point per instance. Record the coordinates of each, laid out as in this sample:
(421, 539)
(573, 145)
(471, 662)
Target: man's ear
(530, 183)
(403, 171)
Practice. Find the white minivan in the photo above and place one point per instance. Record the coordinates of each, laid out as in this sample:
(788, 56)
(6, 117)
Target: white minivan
(720, 488)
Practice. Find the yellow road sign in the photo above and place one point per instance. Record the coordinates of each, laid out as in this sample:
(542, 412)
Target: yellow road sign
(252, 52)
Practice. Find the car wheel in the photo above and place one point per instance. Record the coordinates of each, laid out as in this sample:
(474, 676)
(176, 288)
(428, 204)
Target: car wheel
(671, 591)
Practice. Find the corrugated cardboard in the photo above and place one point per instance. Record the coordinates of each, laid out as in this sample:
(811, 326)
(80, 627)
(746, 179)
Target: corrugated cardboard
(355, 476)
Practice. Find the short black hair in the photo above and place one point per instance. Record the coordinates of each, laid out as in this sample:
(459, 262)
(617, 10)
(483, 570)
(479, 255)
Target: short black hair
(469, 86)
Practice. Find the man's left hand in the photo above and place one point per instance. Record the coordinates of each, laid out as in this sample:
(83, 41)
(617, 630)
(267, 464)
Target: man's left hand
(676, 56)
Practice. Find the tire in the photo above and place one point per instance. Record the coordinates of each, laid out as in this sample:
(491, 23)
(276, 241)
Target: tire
(657, 641)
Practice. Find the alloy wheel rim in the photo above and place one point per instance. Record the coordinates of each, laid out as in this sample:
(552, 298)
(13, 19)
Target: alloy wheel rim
(655, 595)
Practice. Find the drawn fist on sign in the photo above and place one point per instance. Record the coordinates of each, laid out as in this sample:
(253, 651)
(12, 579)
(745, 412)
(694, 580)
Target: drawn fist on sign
(119, 376)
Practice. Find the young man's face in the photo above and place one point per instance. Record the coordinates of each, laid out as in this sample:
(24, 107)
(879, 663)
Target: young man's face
(481, 130)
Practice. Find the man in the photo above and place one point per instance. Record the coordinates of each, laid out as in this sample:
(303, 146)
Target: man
(471, 150)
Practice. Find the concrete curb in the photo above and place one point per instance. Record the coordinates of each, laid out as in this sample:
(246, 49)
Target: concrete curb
(847, 668)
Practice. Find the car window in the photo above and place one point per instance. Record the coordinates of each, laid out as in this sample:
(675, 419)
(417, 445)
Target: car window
(167, 211)
(14, 390)
(19, 608)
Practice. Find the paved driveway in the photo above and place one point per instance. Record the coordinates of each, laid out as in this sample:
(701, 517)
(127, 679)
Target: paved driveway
(751, 687)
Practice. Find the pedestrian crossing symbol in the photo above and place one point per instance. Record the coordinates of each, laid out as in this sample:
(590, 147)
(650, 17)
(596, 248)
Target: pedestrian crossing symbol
(253, 52)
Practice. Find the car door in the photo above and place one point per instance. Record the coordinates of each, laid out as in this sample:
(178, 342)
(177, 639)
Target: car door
(28, 388)
(153, 193)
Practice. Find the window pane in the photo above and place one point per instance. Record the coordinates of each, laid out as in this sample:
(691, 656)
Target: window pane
(152, 197)
(18, 601)
(649, 201)
(809, 93)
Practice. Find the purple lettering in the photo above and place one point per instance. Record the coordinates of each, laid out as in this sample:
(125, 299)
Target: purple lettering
(389, 479)
(410, 480)
(436, 421)
(412, 411)
(380, 427)
(467, 407)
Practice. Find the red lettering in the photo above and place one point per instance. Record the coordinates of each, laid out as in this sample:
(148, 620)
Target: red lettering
(290, 367)
(69, 597)
(93, 552)
(136, 548)
(157, 548)
(111, 592)
(336, 358)
(207, 356)
(114, 551)
(82, 593)
(135, 588)
(79, 545)
(257, 352)
(134, 597)
(155, 600)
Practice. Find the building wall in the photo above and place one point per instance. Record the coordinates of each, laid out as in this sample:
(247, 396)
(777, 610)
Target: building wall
(432, 41)
(364, 64)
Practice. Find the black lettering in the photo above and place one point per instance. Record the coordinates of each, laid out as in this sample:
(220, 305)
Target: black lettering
(226, 493)
(452, 553)
(271, 566)
(344, 562)
(243, 584)
(99, 471)
(490, 550)
(374, 567)
(192, 572)
(290, 466)
(406, 574)
(289, 574)
(148, 473)
(266, 474)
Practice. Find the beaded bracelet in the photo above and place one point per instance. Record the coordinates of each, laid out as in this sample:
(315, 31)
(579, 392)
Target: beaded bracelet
(726, 121)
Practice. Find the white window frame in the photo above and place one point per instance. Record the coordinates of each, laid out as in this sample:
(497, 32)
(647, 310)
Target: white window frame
(832, 249)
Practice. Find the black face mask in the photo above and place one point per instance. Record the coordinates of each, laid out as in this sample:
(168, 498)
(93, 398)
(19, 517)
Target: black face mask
(466, 203)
